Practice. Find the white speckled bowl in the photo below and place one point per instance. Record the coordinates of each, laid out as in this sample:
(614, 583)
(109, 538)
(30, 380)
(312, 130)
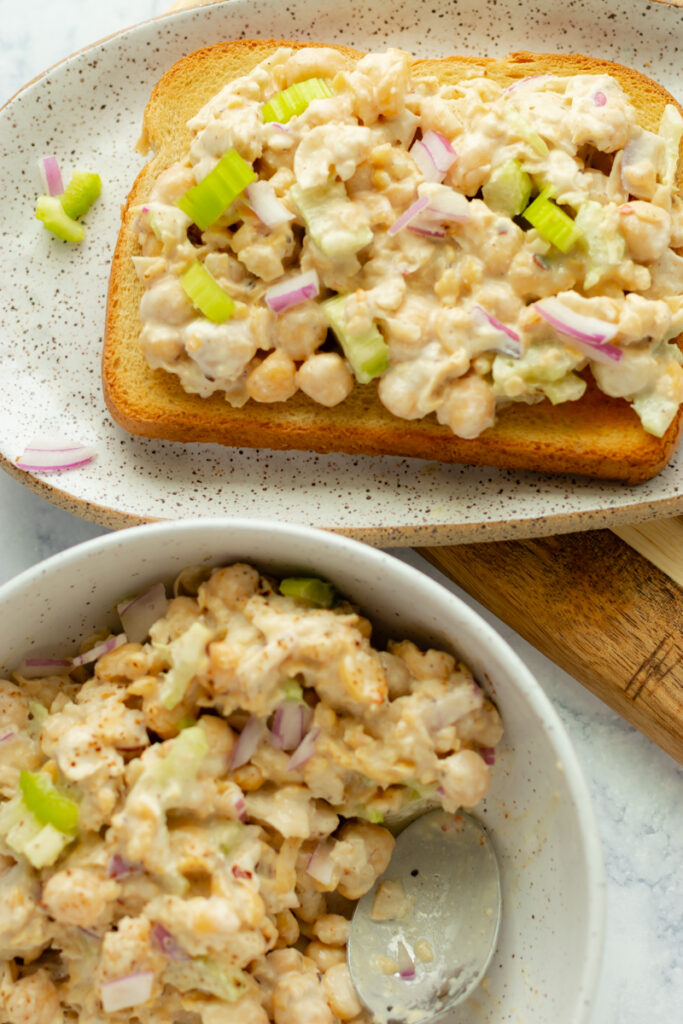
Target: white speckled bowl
(538, 811)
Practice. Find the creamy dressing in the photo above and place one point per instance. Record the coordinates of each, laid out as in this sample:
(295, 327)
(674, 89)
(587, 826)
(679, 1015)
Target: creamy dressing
(445, 293)
(210, 875)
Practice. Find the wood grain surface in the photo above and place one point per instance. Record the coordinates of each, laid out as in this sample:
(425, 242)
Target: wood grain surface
(597, 608)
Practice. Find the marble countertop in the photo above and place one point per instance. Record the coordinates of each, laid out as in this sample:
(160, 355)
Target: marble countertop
(636, 788)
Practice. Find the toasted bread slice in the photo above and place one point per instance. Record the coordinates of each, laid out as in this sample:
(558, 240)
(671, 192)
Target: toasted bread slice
(595, 436)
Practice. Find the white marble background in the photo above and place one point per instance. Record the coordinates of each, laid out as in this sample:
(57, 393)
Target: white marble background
(636, 788)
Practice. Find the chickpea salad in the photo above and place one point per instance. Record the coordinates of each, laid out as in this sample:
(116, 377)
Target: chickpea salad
(464, 246)
(191, 807)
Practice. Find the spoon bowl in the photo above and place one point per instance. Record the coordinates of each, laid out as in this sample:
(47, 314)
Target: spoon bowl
(422, 937)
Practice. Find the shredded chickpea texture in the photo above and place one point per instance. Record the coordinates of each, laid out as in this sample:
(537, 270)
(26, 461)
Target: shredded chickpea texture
(187, 821)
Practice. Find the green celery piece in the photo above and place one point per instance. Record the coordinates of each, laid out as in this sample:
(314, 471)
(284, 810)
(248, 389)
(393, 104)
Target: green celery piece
(655, 411)
(294, 100)
(293, 692)
(525, 132)
(569, 388)
(326, 211)
(186, 722)
(45, 848)
(369, 814)
(80, 193)
(47, 804)
(309, 588)
(188, 658)
(202, 973)
(205, 202)
(508, 189)
(552, 223)
(53, 215)
(605, 249)
(206, 294)
(183, 761)
(367, 353)
(671, 130)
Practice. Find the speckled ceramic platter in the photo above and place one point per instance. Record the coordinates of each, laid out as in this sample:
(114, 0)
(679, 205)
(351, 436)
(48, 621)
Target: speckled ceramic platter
(88, 111)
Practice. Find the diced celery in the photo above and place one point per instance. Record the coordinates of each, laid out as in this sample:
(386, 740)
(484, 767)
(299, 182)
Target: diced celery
(308, 588)
(656, 411)
(552, 223)
(45, 848)
(188, 658)
(508, 189)
(49, 806)
(370, 814)
(50, 211)
(295, 99)
(80, 193)
(206, 294)
(367, 353)
(205, 202)
(186, 722)
(204, 974)
(338, 227)
(605, 248)
(181, 764)
(521, 128)
(293, 692)
(568, 389)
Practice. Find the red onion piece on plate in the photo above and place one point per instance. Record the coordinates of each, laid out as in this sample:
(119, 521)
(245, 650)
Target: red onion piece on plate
(51, 175)
(47, 454)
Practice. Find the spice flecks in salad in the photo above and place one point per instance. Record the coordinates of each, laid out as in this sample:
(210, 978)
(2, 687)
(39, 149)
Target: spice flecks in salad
(189, 816)
(465, 245)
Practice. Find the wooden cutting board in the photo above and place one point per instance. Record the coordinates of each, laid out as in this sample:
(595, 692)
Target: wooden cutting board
(610, 616)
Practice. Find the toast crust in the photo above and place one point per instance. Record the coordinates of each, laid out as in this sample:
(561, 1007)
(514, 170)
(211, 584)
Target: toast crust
(595, 436)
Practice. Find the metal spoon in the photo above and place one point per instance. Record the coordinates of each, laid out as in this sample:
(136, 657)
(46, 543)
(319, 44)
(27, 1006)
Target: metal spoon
(447, 923)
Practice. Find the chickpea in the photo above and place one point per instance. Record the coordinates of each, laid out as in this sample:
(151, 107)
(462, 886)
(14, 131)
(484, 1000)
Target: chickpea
(332, 929)
(273, 379)
(325, 956)
(340, 993)
(469, 407)
(325, 378)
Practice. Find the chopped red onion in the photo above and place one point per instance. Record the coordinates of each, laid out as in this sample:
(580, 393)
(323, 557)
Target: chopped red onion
(404, 961)
(488, 755)
(433, 155)
(508, 343)
(130, 990)
(247, 743)
(239, 872)
(99, 650)
(119, 867)
(266, 205)
(142, 611)
(50, 454)
(167, 943)
(305, 751)
(587, 330)
(292, 291)
(320, 865)
(51, 175)
(289, 725)
(599, 99)
(413, 211)
(428, 232)
(7, 736)
(524, 81)
(34, 668)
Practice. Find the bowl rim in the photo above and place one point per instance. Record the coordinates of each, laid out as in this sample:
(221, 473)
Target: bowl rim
(378, 560)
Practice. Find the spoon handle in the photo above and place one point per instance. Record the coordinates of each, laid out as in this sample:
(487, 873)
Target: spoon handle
(596, 608)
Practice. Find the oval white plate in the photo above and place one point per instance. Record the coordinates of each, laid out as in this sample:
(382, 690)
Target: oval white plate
(88, 111)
